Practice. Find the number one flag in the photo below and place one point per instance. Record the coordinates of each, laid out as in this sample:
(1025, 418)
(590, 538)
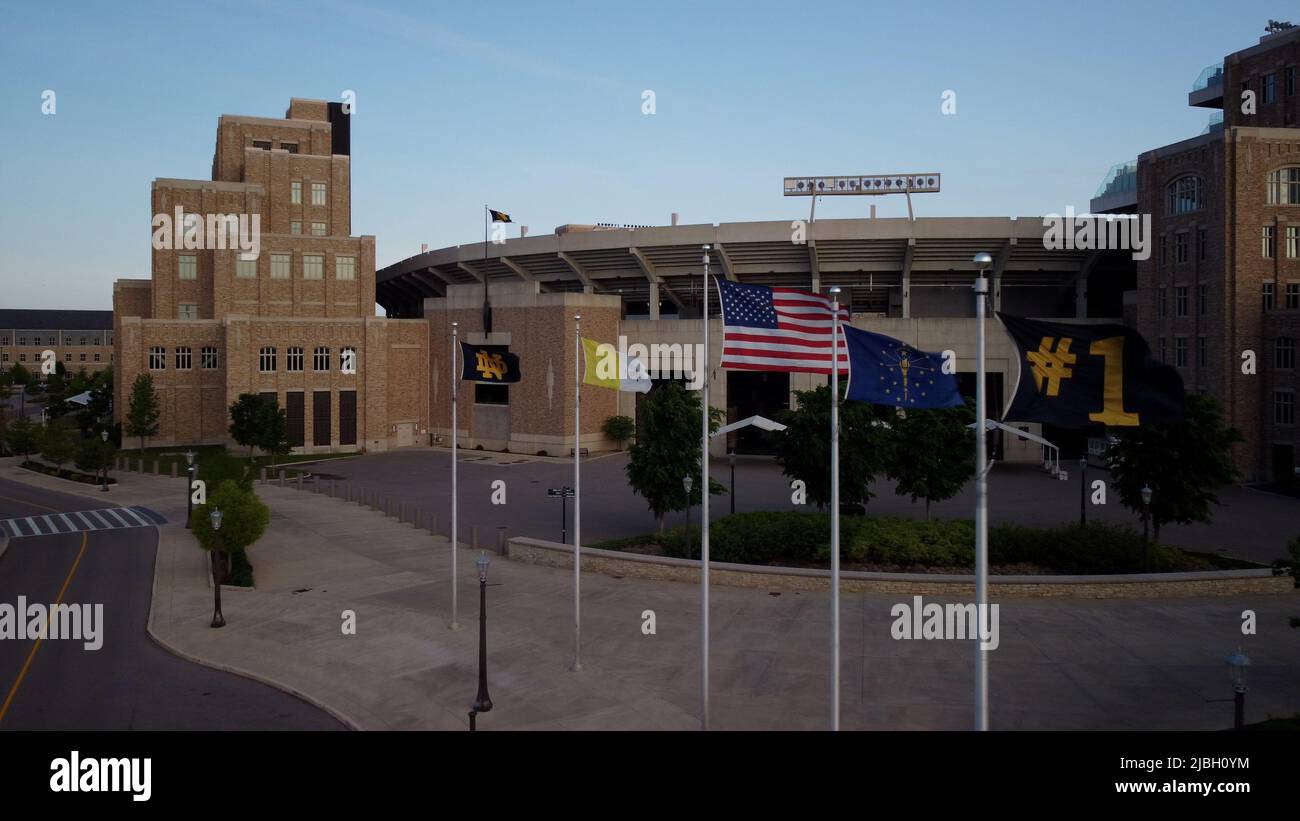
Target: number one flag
(1082, 376)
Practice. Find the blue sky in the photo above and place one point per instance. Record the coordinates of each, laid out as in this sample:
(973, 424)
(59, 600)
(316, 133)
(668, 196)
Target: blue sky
(536, 110)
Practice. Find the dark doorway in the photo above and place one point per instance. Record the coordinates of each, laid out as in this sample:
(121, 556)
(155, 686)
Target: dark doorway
(347, 417)
(994, 401)
(755, 393)
(1284, 463)
(295, 413)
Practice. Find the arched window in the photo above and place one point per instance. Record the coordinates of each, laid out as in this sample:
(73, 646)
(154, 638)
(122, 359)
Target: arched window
(1183, 195)
(266, 360)
(1284, 186)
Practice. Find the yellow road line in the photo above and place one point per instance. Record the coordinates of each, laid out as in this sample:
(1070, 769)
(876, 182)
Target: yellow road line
(27, 664)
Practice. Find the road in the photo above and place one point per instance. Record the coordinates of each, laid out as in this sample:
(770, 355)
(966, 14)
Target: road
(130, 682)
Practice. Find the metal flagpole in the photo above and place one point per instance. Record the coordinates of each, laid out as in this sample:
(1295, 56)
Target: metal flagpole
(982, 260)
(835, 509)
(577, 496)
(455, 383)
(703, 364)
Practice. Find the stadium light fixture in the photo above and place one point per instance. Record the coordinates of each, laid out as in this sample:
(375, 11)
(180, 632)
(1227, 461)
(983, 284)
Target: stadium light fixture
(860, 185)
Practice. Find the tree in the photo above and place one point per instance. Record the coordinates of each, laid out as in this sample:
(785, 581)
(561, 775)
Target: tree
(95, 455)
(91, 418)
(619, 429)
(143, 411)
(273, 430)
(803, 449)
(56, 396)
(669, 449)
(1183, 462)
(58, 444)
(23, 436)
(244, 518)
(20, 375)
(245, 417)
(931, 453)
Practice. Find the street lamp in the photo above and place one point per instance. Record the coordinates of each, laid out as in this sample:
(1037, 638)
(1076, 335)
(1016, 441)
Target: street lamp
(1237, 664)
(687, 483)
(731, 459)
(189, 484)
(983, 261)
(482, 701)
(1146, 521)
(103, 482)
(218, 572)
(1083, 490)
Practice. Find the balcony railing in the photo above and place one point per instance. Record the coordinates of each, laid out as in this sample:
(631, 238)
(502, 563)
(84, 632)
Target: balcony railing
(1121, 178)
(1209, 76)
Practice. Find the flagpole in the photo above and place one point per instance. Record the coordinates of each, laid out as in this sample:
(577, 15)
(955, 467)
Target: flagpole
(577, 496)
(982, 260)
(835, 508)
(704, 508)
(455, 383)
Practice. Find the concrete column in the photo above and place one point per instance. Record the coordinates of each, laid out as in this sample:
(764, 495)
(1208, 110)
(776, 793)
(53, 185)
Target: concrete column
(907, 293)
(654, 300)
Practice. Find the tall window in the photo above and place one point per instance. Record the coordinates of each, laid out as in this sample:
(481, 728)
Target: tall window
(1202, 352)
(1180, 247)
(1284, 407)
(1202, 245)
(245, 268)
(348, 360)
(1160, 302)
(293, 359)
(320, 359)
(345, 267)
(318, 229)
(184, 358)
(313, 266)
(295, 192)
(1284, 352)
(266, 360)
(1269, 245)
(295, 226)
(1293, 295)
(1284, 186)
(1293, 241)
(157, 358)
(1268, 294)
(188, 310)
(208, 358)
(1183, 195)
(187, 266)
(318, 193)
(1180, 300)
(1180, 352)
(1270, 88)
(1288, 82)
(1202, 299)
(279, 266)
(1164, 250)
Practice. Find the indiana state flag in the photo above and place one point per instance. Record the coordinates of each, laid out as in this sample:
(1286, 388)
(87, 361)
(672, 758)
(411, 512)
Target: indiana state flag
(886, 371)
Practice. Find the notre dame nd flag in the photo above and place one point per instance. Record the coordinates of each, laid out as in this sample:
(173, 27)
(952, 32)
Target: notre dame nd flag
(488, 364)
(1082, 376)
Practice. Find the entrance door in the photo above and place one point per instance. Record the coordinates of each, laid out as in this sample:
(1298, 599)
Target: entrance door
(755, 393)
(294, 410)
(1284, 463)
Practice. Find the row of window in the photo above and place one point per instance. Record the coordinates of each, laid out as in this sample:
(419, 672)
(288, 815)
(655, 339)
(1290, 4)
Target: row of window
(1283, 352)
(266, 358)
(67, 357)
(1182, 242)
(313, 266)
(52, 340)
(1187, 193)
(317, 193)
(265, 145)
(1268, 85)
(1268, 241)
(1268, 296)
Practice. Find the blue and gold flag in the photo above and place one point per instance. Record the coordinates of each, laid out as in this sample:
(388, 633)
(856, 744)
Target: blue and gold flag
(887, 371)
(488, 364)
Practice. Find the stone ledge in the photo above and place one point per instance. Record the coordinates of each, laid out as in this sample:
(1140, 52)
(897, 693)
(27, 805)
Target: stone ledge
(1132, 586)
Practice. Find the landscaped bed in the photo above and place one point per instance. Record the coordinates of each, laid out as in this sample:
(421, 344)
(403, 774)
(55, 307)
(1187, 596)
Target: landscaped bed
(71, 475)
(888, 544)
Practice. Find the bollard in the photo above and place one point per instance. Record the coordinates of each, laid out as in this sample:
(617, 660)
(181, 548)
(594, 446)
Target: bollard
(262, 474)
(282, 477)
(433, 523)
(173, 470)
(501, 540)
(141, 465)
(156, 471)
(388, 506)
(299, 481)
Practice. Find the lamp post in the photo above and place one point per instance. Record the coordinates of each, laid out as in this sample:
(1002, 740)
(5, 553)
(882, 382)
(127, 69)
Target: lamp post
(687, 483)
(1146, 521)
(731, 459)
(983, 260)
(1237, 664)
(1083, 490)
(189, 484)
(103, 481)
(482, 701)
(219, 569)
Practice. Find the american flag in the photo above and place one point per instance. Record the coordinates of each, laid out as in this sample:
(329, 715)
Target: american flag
(778, 329)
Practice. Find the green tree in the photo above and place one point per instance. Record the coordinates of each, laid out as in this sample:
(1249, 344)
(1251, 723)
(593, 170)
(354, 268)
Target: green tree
(20, 375)
(92, 418)
(931, 453)
(143, 411)
(803, 449)
(619, 429)
(244, 518)
(245, 419)
(669, 449)
(56, 396)
(94, 455)
(58, 444)
(273, 430)
(23, 436)
(1183, 462)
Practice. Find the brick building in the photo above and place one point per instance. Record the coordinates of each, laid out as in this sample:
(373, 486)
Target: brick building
(79, 339)
(295, 321)
(1225, 275)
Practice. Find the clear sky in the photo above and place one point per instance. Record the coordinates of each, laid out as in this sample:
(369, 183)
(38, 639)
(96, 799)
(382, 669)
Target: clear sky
(536, 109)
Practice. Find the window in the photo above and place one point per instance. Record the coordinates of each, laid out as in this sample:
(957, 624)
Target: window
(318, 193)
(22, 357)
(295, 227)
(96, 357)
(1284, 407)
(1160, 302)
(82, 357)
(1269, 237)
(1288, 81)
(1202, 300)
(266, 360)
(1180, 247)
(318, 229)
(293, 359)
(1180, 352)
(1292, 241)
(1293, 295)
(4, 340)
(1268, 296)
(1202, 352)
(1269, 87)
(22, 340)
(188, 310)
(345, 267)
(1164, 250)
(1180, 300)
(265, 145)
(348, 360)
(51, 340)
(245, 268)
(279, 266)
(208, 358)
(1183, 195)
(83, 340)
(292, 148)
(313, 266)
(320, 359)
(67, 340)
(184, 358)
(1202, 245)
(187, 266)
(1284, 353)
(295, 192)
(157, 359)
(5, 356)
(67, 357)
(1284, 186)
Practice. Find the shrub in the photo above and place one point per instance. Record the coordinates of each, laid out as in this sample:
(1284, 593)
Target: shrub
(619, 429)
